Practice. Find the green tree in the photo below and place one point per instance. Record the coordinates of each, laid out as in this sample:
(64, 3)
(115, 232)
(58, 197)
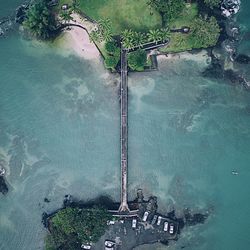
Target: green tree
(65, 15)
(154, 35)
(76, 6)
(212, 3)
(137, 60)
(165, 34)
(169, 9)
(110, 47)
(139, 39)
(70, 227)
(127, 38)
(204, 32)
(40, 20)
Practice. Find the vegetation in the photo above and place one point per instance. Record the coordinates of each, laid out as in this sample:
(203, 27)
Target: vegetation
(103, 32)
(132, 39)
(113, 55)
(205, 32)
(212, 3)
(71, 227)
(137, 60)
(40, 21)
(169, 9)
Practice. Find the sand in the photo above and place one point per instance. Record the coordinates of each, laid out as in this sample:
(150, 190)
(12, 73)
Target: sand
(77, 40)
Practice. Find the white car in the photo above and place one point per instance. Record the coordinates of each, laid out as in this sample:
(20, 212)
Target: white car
(109, 243)
(110, 222)
(171, 229)
(145, 216)
(159, 221)
(85, 246)
(134, 221)
(165, 228)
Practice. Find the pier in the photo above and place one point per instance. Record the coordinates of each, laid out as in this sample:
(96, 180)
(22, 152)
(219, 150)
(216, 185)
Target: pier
(124, 208)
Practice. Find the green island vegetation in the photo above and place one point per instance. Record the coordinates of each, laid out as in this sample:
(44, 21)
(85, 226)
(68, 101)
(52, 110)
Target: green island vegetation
(71, 227)
(212, 3)
(132, 22)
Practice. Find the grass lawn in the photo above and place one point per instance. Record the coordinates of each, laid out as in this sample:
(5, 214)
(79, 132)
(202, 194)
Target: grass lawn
(124, 14)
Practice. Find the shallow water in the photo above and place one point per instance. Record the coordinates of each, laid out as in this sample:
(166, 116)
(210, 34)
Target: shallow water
(59, 131)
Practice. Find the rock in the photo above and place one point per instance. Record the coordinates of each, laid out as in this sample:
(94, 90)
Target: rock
(3, 186)
(21, 13)
(2, 171)
(230, 7)
(242, 59)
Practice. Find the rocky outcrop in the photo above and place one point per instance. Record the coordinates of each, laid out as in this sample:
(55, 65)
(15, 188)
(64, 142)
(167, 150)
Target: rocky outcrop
(3, 186)
(230, 7)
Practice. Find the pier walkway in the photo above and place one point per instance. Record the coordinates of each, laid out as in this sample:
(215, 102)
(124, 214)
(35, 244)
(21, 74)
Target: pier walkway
(124, 208)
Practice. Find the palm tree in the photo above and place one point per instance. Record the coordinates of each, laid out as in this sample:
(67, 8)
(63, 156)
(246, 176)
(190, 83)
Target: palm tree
(66, 16)
(165, 34)
(154, 35)
(127, 38)
(75, 6)
(139, 39)
(105, 29)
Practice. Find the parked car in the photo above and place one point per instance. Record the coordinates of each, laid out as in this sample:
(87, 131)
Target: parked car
(134, 222)
(145, 216)
(165, 228)
(154, 219)
(159, 221)
(83, 246)
(109, 244)
(171, 228)
(110, 222)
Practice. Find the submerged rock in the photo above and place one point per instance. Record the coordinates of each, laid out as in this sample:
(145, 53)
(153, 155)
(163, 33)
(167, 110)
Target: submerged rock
(21, 13)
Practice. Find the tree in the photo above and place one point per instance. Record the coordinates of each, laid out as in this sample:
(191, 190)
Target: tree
(65, 15)
(212, 3)
(139, 39)
(40, 20)
(205, 32)
(127, 38)
(110, 47)
(169, 9)
(70, 227)
(165, 34)
(137, 60)
(76, 6)
(154, 35)
(110, 62)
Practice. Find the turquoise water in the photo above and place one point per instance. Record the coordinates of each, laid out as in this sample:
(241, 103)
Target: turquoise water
(59, 131)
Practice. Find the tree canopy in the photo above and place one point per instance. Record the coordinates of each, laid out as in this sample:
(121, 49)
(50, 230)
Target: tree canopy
(205, 32)
(72, 226)
(169, 9)
(212, 3)
(40, 20)
(137, 60)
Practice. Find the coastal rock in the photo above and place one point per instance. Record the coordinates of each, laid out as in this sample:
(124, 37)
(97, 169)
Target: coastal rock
(21, 13)
(242, 59)
(230, 7)
(3, 186)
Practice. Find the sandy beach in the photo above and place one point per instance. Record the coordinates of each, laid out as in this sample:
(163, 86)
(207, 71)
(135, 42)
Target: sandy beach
(77, 39)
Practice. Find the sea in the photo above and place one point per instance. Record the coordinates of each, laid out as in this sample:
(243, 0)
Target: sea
(59, 135)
